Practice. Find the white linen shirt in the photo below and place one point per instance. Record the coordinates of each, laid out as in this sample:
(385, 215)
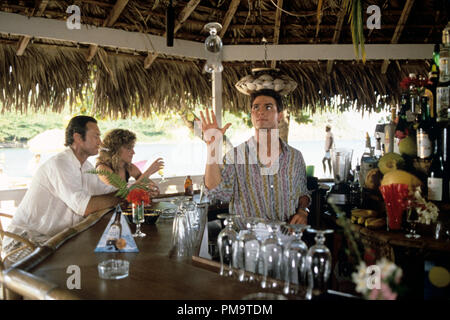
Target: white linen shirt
(58, 196)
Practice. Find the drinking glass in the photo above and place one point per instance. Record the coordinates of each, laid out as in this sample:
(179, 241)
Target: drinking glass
(272, 254)
(412, 219)
(138, 218)
(318, 263)
(225, 241)
(247, 250)
(181, 236)
(295, 260)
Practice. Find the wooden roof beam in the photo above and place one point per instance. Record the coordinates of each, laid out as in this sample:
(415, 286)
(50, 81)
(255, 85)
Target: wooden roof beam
(276, 32)
(182, 17)
(337, 34)
(229, 16)
(319, 19)
(114, 14)
(22, 44)
(398, 30)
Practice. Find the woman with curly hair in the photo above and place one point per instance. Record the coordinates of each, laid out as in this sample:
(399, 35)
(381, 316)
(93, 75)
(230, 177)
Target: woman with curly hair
(117, 153)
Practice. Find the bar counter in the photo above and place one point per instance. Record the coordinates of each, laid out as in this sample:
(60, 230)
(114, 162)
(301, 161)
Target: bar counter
(152, 274)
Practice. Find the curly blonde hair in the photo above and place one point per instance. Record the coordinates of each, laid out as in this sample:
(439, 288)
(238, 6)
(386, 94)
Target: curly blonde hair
(112, 142)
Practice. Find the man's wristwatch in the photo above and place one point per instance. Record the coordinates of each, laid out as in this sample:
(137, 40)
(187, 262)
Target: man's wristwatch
(307, 211)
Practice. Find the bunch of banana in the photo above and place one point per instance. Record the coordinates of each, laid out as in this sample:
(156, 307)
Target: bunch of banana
(359, 216)
(375, 223)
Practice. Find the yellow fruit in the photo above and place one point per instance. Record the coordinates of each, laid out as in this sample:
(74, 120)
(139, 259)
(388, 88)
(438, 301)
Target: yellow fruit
(361, 220)
(391, 161)
(364, 213)
(408, 146)
(402, 177)
(373, 179)
(375, 223)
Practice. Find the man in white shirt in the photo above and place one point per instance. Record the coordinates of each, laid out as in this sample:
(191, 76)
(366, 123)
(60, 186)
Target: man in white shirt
(62, 193)
(329, 141)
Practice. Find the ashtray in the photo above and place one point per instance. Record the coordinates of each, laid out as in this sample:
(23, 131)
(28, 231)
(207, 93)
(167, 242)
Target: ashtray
(113, 269)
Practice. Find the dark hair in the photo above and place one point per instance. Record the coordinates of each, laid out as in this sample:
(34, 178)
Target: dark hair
(77, 125)
(270, 93)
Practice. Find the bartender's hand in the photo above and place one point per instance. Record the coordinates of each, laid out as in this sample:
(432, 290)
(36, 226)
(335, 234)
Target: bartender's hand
(301, 217)
(210, 122)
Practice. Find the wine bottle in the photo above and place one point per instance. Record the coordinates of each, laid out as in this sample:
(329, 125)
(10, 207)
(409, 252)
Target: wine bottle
(436, 176)
(424, 131)
(115, 231)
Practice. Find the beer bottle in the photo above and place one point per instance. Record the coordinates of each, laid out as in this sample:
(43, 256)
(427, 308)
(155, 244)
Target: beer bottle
(188, 186)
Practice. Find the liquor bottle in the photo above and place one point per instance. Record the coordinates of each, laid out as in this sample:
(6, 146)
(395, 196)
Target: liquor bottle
(115, 231)
(414, 101)
(424, 133)
(188, 186)
(435, 178)
(355, 188)
(368, 161)
(430, 89)
(443, 88)
(389, 133)
(378, 153)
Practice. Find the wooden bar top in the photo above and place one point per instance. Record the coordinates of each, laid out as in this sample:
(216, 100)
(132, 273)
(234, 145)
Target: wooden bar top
(152, 274)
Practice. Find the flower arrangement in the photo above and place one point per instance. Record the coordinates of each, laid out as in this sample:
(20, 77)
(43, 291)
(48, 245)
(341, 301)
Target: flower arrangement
(136, 193)
(407, 82)
(380, 281)
(427, 212)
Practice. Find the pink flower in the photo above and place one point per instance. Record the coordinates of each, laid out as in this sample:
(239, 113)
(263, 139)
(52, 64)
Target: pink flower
(384, 293)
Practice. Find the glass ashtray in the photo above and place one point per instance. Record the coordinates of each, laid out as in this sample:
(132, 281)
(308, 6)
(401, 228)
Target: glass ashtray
(113, 269)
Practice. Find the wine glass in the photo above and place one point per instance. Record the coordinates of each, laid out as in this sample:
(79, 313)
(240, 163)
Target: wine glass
(272, 254)
(412, 218)
(318, 263)
(295, 260)
(161, 174)
(138, 218)
(225, 241)
(247, 251)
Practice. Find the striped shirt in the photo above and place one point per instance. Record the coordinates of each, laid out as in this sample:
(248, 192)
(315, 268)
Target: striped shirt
(250, 192)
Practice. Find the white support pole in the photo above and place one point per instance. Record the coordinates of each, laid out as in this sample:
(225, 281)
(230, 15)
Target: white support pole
(217, 96)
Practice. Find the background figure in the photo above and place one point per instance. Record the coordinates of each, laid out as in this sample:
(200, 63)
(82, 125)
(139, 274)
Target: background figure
(329, 141)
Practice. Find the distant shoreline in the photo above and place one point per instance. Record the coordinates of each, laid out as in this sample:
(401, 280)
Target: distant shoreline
(13, 145)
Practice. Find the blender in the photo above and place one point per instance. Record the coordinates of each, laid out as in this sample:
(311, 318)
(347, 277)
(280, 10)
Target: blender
(339, 195)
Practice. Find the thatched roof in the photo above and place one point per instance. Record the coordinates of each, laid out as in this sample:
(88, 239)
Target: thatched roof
(49, 72)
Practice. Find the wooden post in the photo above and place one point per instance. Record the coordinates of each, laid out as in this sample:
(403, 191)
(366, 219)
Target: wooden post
(217, 96)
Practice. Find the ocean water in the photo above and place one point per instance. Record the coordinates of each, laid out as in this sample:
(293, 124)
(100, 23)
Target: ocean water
(180, 159)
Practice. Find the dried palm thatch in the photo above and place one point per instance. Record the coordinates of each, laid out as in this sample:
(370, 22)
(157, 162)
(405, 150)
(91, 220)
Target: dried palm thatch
(46, 77)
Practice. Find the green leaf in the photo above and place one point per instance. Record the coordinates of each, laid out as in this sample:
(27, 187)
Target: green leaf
(115, 180)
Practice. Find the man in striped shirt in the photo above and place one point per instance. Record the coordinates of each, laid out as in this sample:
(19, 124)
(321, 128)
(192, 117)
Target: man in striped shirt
(264, 176)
